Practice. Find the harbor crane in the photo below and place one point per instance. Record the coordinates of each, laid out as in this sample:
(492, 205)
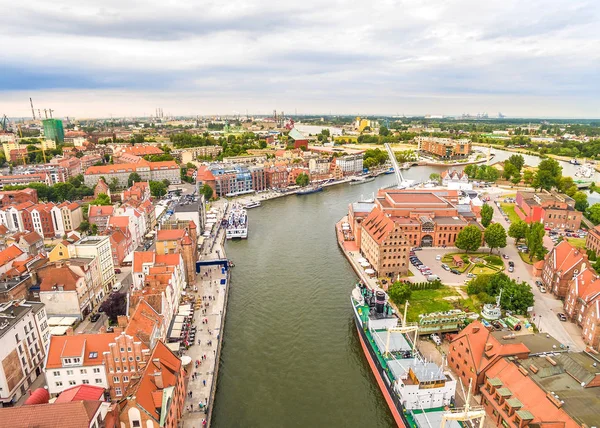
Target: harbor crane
(401, 182)
(467, 413)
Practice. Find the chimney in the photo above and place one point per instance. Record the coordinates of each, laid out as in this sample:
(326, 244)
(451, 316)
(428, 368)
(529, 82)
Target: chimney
(158, 380)
(488, 346)
(475, 329)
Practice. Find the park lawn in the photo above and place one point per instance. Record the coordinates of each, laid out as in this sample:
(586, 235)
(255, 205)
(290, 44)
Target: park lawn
(425, 301)
(525, 258)
(577, 242)
(480, 269)
(509, 209)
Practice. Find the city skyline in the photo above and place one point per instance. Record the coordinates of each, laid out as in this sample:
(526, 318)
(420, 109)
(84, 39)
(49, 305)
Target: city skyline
(100, 59)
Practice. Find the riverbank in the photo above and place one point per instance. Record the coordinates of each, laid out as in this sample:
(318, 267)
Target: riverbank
(210, 297)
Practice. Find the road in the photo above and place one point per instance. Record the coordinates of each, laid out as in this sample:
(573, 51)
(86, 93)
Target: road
(545, 306)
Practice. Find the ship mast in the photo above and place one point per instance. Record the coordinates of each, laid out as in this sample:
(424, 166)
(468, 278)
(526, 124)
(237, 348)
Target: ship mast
(467, 413)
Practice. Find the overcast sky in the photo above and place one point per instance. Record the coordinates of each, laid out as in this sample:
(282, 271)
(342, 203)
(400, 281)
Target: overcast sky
(114, 57)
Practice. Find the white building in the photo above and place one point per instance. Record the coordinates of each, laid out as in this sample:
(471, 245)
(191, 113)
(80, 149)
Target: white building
(319, 166)
(456, 180)
(350, 164)
(24, 336)
(76, 360)
(97, 246)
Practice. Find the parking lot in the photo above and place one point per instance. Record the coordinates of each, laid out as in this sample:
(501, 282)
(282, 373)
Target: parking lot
(428, 257)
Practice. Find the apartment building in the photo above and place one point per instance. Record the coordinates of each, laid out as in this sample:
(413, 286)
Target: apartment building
(29, 242)
(71, 287)
(16, 197)
(99, 215)
(24, 179)
(350, 164)
(121, 244)
(561, 265)
(445, 148)
(582, 303)
(592, 241)
(24, 335)
(180, 237)
(148, 171)
(552, 209)
(47, 219)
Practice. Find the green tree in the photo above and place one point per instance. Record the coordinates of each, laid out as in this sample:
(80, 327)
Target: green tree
(517, 160)
(469, 239)
(158, 189)
(302, 180)
(495, 236)
(399, 292)
(114, 184)
(84, 226)
(528, 177)
(487, 212)
(435, 177)
(548, 175)
(518, 230)
(102, 199)
(207, 191)
(581, 201)
(384, 131)
(593, 213)
(535, 240)
(134, 177)
(94, 229)
(516, 179)
(509, 171)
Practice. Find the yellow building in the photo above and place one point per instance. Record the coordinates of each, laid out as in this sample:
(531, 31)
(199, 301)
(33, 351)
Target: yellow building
(362, 124)
(8, 146)
(59, 252)
(48, 144)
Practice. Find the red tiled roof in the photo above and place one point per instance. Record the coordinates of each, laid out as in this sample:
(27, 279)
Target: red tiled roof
(10, 254)
(169, 366)
(141, 257)
(378, 225)
(81, 393)
(163, 165)
(141, 150)
(168, 259)
(170, 234)
(119, 221)
(143, 321)
(75, 414)
(204, 174)
(100, 210)
(52, 275)
(118, 167)
(89, 343)
(565, 257)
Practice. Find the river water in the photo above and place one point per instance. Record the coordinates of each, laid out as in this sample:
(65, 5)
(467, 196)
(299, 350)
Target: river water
(291, 356)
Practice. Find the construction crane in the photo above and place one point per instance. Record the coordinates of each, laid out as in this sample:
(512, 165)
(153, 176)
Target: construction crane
(467, 413)
(46, 113)
(25, 154)
(50, 110)
(32, 110)
(401, 182)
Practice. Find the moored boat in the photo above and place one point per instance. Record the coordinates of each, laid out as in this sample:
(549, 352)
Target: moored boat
(310, 189)
(361, 180)
(252, 204)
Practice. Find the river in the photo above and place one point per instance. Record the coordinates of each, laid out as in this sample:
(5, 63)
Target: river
(291, 356)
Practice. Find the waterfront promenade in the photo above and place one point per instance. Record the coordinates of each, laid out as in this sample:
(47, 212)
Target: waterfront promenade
(209, 319)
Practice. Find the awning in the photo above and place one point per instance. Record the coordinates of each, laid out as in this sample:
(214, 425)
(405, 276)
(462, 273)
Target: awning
(361, 260)
(365, 264)
(58, 331)
(369, 271)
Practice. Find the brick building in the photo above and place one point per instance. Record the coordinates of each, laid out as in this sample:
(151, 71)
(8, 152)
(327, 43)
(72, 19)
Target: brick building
(553, 210)
(582, 303)
(148, 171)
(592, 241)
(10, 197)
(445, 148)
(561, 265)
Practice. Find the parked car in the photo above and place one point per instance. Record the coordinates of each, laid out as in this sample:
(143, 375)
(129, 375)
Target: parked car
(436, 339)
(471, 275)
(561, 316)
(445, 266)
(117, 270)
(505, 256)
(511, 269)
(432, 278)
(539, 283)
(438, 257)
(511, 264)
(542, 289)
(95, 317)
(417, 249)
(455, 272)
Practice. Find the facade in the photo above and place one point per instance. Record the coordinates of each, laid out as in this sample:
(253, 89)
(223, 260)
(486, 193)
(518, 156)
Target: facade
(71, 287)
(24, 179)
(455, 180)
(163, 378)
(276, 177)
(24, 335)
(53, 130)
(298, 138)
(77, 360)
(582, 305)
(553, 210)
(47, 219)
(180, 237)
(123, 362)
(350, 164)
(384, 244)
(592, 241)
(445, 148)
(83, 413)
(120, 243)
(561, 265)
(231, 180)
(99, 215)
(30, 242)
(148, 171)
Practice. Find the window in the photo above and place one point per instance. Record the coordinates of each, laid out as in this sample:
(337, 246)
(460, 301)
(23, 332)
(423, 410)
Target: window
(72, 383)
(83, 371)
(129, 349)
(130, 359)
(122, 349)
(17, 337)
(98, 380)
(118, 391)
(69, 372)
(96, 370)
(116, 379)
(132, 368)
(76, 360)
(85, 382)
(116, 359)
(66, 360)
(135, 424)
(58, 383)
(125, 378)
(118, 369)
(56, 373)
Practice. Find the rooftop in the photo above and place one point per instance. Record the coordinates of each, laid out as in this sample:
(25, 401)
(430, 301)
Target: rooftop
(537, 343)
(12, 312)
(91, 345)
(74, 414)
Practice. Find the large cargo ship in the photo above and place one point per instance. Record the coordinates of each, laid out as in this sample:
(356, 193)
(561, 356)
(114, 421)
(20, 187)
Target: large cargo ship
(237, 223)
(418, 392)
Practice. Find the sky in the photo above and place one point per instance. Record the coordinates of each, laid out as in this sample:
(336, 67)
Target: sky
(534, 58)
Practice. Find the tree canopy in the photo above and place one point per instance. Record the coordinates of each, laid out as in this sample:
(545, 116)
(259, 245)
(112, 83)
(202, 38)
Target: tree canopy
(516, 297)
(302, 180)
(487, 212)
(535, 240)
(207, 191)
(399, 292)
(495, 236)
(134, 177)
(548, 175)
(114, 305)
(518, 230)
(469, 239)
(158, 189)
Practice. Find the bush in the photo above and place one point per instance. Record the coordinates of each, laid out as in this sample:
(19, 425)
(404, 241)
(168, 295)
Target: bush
(494, 260)
(465, 258)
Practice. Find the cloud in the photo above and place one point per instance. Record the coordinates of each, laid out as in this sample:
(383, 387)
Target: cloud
(497, 55)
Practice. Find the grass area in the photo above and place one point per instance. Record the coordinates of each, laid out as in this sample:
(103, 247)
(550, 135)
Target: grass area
(577, 242)
(481, 269)
(425, 301)
(494, 260)
(525, 258)
(509, 210)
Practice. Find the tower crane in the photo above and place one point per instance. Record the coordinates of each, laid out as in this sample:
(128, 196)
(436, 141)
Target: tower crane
(32, 110)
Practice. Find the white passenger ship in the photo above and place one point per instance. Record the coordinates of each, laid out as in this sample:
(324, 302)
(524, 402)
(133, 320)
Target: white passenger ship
(237, 223)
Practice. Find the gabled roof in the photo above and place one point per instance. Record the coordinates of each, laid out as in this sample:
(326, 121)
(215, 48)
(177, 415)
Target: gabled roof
(9, 254)
(119, 221)
(143, 321)
(100, 210)
(74, 414)
(142, 257)
(52, 275)
(565, 257)
(378, 225)
(170, 234)
(296, 135)
(204, 174)
(168, 259)
(164, 363)
(81, 393)
(93, 345)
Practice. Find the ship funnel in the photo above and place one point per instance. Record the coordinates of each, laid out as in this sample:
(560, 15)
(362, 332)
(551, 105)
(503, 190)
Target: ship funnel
(379, 302)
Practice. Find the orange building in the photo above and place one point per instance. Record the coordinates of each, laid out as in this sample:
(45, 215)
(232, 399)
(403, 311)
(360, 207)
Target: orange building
(582, 306)
(157, 399)
(445, 147)
(561, 264)
(592, 241)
